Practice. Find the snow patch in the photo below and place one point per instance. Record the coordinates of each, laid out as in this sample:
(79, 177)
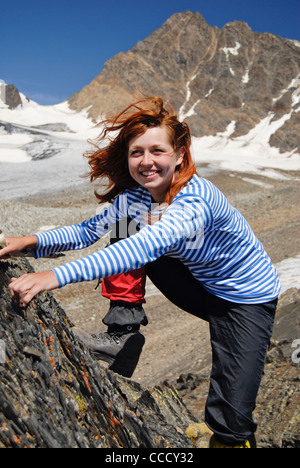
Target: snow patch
(289, 273)
(232, 51)
(13, 155)
(257, 182)
(209, 92)
(245, 78)
(182, 114)
(249, 153)
(11, 148)
(296, 43)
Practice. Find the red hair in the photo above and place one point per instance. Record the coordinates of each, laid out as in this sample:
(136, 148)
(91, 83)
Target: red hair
(109, 160)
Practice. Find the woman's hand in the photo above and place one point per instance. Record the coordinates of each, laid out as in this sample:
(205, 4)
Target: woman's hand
(17, 244)
(24, 289)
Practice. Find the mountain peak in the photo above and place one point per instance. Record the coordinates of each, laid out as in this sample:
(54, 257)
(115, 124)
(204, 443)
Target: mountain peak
(212, 76)
(10, 95)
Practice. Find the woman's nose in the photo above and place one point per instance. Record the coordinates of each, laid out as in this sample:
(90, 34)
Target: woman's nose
(147, 159)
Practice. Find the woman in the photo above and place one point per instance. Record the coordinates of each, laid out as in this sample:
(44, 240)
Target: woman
(199, 251)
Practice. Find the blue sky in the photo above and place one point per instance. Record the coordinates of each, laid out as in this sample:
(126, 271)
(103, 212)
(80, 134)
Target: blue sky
(52, 48)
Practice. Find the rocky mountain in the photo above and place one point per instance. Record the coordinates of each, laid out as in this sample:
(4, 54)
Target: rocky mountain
(213, 77)
(39, 132)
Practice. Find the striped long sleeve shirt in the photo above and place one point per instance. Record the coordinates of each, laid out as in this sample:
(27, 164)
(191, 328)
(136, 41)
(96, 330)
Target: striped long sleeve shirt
(200, 228)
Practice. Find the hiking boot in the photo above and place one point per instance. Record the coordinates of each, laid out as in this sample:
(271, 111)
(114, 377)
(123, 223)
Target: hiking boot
(214, 443)
(121, 348)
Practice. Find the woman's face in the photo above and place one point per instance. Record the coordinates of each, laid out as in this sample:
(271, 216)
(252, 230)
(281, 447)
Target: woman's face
(152, 161)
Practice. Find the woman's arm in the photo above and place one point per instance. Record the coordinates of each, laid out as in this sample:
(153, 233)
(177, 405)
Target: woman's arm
(23, 289)
(78, 236)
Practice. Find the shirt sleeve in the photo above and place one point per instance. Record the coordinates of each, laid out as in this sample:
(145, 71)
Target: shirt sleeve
(80, 236)
(183, 221)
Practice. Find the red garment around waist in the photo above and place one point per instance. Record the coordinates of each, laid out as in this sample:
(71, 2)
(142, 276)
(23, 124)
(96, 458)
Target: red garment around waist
(127, 287)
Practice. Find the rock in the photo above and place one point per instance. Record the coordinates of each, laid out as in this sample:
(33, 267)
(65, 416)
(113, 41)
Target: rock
(200, 434)
(278, 405)
(286, 138)
(12, 97)
(53, 395)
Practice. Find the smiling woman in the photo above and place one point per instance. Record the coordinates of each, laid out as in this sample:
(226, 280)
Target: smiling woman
(199, 252)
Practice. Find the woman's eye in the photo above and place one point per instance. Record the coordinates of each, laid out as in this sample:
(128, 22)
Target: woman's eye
(135, 153)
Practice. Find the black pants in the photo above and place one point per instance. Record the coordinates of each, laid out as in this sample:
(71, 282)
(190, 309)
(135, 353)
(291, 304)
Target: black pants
(240, 337)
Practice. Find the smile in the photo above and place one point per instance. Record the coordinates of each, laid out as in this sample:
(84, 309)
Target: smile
(149, 173)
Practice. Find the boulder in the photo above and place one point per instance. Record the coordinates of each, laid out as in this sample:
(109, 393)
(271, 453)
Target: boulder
(53, 395)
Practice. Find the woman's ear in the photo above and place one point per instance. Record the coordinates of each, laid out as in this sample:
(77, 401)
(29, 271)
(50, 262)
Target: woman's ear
(180, 157)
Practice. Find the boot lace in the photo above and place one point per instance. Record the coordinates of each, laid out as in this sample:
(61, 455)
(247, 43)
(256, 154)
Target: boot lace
(103, 337)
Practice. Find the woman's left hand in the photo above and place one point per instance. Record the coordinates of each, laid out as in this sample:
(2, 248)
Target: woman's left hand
(24, 289)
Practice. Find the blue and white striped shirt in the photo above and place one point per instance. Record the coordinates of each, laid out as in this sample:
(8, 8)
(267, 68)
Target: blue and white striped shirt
(200, 228)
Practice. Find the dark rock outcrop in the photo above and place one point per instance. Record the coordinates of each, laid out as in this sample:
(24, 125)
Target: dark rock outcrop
(12, 97)
(53, 395)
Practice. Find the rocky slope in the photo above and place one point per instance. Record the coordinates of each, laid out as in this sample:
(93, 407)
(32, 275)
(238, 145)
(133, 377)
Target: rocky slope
(211, 76)
(52, 395)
